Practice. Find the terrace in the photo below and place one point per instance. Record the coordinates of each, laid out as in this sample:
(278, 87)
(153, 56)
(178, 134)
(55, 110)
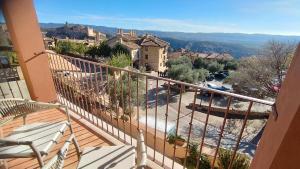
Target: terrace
(109, 105)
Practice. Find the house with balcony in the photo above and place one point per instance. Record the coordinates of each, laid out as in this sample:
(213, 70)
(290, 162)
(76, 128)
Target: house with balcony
(106, 113)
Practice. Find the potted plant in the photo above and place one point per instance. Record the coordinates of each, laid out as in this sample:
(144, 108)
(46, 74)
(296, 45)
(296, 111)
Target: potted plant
(179, 140)
(173, 139)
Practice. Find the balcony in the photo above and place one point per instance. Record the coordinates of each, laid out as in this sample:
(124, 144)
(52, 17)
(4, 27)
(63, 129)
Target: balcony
(110, 103)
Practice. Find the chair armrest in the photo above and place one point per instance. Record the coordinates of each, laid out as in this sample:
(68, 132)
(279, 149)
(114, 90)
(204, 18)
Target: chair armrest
(57, 161)
(141, 151)
(8, 142)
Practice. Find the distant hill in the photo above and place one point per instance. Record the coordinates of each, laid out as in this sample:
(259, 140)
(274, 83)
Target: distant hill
(235, 50)
(73, 32)
(237, 44)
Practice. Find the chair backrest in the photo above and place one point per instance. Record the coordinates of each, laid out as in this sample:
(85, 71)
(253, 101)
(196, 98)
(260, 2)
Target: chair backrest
(57, 162)
(141, 151)
(14, 108)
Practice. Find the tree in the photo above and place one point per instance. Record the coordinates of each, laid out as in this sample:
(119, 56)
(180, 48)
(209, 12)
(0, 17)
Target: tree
(181, 69)
(179, 61)
(119, 48)
(214, 67)
(182, 73)
(258, 76)
(92, 51)
(231, 65)
(120, 60)
(67, 47)
(278, 54)
(200, 74)
(201, 63)
(80, 48)
(104, 50)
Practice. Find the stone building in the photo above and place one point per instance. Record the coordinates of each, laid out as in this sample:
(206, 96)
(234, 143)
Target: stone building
(154, 53)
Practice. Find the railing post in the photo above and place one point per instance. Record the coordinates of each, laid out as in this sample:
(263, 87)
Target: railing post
(279, 146)
(26, 36)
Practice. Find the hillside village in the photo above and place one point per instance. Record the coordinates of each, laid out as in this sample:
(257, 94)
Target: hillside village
(147, 50)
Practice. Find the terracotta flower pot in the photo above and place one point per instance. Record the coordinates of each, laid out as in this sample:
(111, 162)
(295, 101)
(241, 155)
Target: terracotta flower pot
(179, 142)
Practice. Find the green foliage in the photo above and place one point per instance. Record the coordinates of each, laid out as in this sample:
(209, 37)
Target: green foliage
(180, 61)
(182, 73)
(120, 60)
(103, 50)
(201, 63)
(67, 47)
(200, 74)
(181, 69)
(118, 48)
(194, 154)
(172, 138)
(231, 65)
(92, 51)
(80, 48)
(214, 67)
(240, 161)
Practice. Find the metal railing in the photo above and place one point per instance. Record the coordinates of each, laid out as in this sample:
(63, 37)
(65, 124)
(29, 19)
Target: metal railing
(168, 111)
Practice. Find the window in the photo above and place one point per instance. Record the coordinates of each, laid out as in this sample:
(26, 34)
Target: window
(146, 48)
(164, 50)
(146, 56)
(160, 64)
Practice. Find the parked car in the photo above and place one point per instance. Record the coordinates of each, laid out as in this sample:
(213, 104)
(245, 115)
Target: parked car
(213, 86)
(210, 78)
(221, 75)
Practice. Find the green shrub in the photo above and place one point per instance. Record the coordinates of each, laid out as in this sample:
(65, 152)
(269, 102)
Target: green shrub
(172, 138)
(120, 60)
(214, 67)
(240, 161)
(204, 162)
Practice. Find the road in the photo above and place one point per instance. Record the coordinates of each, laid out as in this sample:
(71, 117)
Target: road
(231, 130)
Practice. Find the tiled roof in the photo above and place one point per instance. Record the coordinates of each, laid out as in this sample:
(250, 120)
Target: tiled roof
(149, 40)
(130, 45)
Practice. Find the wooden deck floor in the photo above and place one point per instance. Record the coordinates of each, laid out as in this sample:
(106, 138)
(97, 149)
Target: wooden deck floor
(85, 137)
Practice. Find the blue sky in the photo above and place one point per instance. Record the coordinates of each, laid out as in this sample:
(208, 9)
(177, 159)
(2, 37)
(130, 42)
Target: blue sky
(243, 16)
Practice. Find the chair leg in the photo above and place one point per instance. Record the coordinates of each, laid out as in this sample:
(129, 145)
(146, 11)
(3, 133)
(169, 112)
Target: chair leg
(38, 155)
(77, 147)
(24, 120)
